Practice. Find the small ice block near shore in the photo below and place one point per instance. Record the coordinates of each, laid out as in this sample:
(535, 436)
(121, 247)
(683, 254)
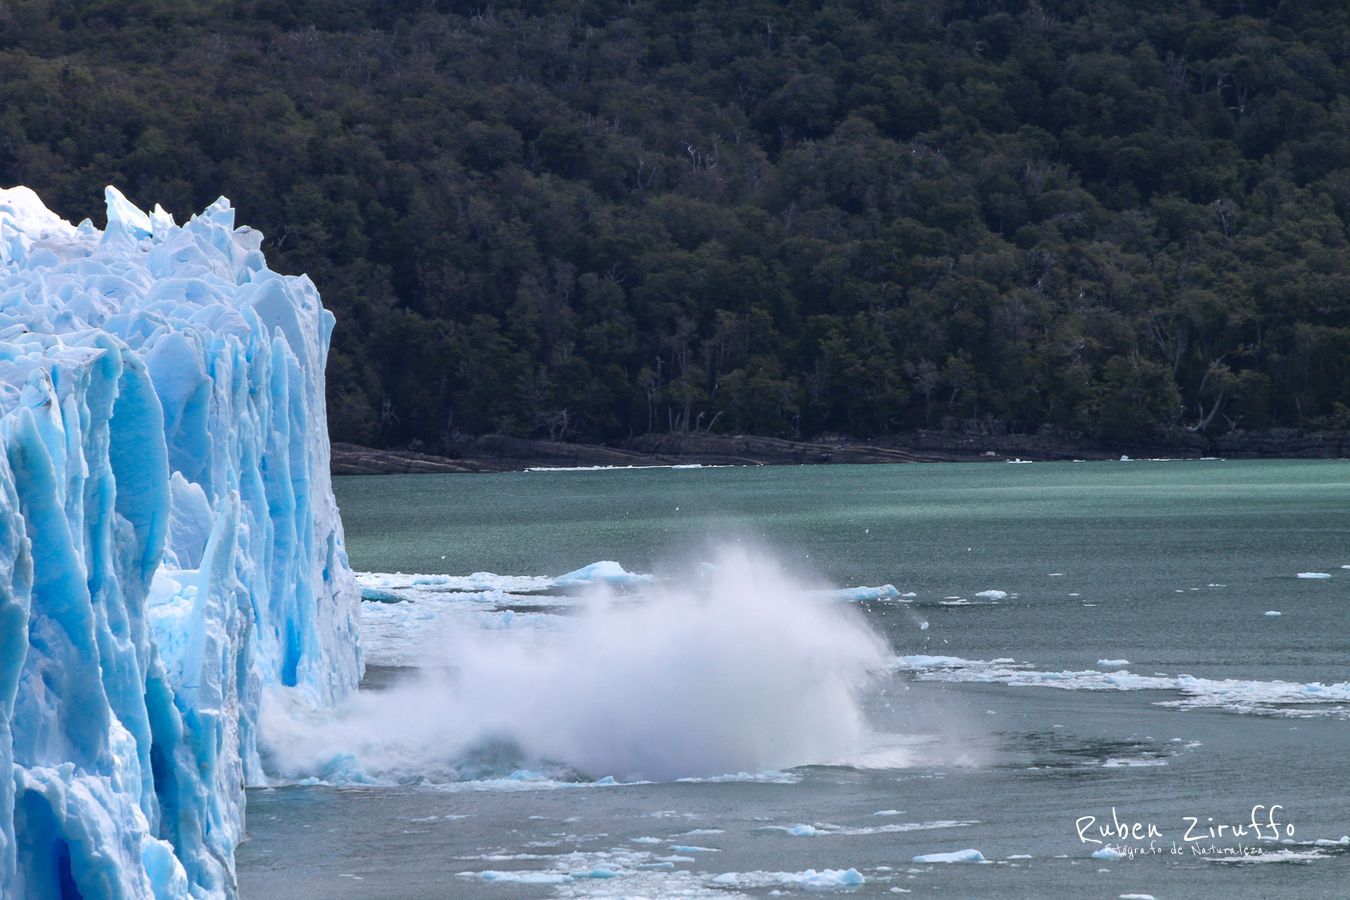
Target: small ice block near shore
(169, 544)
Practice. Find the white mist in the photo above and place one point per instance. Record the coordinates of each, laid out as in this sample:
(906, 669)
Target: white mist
(742, 672)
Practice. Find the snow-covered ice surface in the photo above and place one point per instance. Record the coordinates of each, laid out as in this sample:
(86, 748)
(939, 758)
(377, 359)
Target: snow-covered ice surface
(169, 544)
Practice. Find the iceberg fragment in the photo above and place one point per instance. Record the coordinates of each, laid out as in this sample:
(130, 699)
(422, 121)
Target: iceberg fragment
(169, 543)
(1108, 853)
(970, 855)
(604, 572)
(865, 593)
(811, 879)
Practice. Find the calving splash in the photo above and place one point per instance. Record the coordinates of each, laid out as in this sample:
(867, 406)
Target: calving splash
(169, 543)
(740, 670)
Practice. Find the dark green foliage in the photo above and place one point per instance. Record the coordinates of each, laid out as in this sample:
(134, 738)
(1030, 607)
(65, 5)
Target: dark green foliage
(589, 220)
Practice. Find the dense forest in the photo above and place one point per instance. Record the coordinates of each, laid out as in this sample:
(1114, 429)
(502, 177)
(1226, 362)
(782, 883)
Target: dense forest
(598, 219)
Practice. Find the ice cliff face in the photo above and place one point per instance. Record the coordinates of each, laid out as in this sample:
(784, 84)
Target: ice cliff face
(169, 543)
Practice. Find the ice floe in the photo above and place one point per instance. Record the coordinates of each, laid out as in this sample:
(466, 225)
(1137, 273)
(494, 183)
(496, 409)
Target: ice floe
(811, 879)
(1276, 698)
(820, 829)
(954, 856)
(523, 877)
(604, 572)
(1271, 856)
(861, 594)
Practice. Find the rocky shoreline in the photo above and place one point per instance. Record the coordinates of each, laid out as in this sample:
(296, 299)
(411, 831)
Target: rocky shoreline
(499, 453)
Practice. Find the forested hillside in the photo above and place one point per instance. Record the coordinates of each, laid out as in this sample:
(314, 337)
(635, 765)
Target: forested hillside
(598, 219)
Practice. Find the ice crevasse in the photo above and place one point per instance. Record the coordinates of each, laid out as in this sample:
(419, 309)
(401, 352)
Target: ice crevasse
(169, 544)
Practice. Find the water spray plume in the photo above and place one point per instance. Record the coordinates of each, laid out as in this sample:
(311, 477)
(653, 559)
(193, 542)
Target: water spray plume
(744, 671)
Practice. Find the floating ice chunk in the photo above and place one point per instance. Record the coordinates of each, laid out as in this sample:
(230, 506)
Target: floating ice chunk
(860, 594)
(1108, 853)
(1271, 856)
(520, 877)
(1113, 663)
(955, 856)
(598, 872)
(1236, 695)
(802, 830)
(1314, 575)
(899, 828)
(932, 662)
(811, 880)
(767, 777)
(603, 572)
(993, 595)
(831, 878)
(379, 595)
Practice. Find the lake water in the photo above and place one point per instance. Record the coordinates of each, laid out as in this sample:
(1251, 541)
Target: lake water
(1078, 638)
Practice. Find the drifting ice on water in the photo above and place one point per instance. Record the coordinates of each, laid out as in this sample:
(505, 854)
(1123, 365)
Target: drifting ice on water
(169, 544)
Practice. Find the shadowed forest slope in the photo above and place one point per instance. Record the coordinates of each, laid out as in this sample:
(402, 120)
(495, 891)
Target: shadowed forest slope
(594, 220)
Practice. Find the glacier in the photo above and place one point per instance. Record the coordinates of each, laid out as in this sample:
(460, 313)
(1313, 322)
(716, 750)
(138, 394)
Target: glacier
(170, 548)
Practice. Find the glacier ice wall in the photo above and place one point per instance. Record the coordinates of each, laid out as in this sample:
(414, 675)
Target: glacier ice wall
(169, 542)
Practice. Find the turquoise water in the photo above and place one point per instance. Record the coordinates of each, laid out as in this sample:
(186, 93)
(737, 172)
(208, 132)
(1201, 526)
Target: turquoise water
(1172, 566)
(1125, 536)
